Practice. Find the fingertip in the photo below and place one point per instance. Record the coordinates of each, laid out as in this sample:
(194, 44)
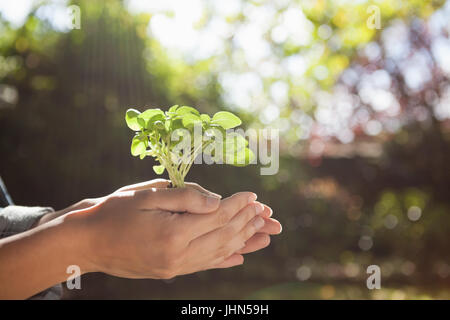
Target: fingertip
(280, 227)
(236, 260)
(266, 240)
(212, 202)
(232, 261)
(201, 189)
(268, 211)
(258, 223)
(259, 208)
(213, 194)
(251, 197)
(200, 201)
(245, 195)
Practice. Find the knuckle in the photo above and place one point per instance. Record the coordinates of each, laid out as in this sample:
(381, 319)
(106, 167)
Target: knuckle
(91, 201)
(223, 217)
(109, 200)
(232, 248)
(218, 260)
(113, 199)
(239, 246)
(242, 198)
(225, 251)
(232, 206)
(250, 212)
(249, 231)
(228, 232)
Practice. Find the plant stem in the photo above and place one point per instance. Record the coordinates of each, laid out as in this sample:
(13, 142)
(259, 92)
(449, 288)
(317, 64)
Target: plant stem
(174, 175)
(178, 172)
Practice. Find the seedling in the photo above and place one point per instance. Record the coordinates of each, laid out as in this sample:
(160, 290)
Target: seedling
(175, 138)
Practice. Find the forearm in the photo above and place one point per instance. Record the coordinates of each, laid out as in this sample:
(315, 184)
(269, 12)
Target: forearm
(37, 259)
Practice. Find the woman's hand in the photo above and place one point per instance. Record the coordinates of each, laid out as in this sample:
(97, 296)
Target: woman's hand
(86, 203)
(257, 242)
(134, 233)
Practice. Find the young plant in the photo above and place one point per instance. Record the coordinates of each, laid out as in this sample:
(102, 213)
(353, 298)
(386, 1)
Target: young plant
(175, 138)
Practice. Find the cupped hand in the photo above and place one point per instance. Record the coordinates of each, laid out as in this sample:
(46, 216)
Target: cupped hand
(257, 242)
(159, 206)
(135, 234)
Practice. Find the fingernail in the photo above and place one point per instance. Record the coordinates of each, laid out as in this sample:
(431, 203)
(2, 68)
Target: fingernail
(259, 223)
(252, 198)
(212, 201)
(216, 195)
(259, 208)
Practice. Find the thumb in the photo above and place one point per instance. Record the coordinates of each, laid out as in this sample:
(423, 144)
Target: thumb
(200, 188)
(179, 200)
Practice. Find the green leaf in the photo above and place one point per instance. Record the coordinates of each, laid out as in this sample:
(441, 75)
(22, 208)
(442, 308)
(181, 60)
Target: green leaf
(150, 113)
(141, 123)
(159, 125)
(226, 120)
(216, 132)
(177, 124)
(205, 118)
(131, 119)
(187, 110)
(138, 145)
(158, 169)
(190, 119)
(156, 126)
(241, 159)
(146, 122)
(157, 117)
(173, 108)
(234, 143)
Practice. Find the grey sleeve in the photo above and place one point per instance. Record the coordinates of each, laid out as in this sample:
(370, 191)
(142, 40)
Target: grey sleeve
(17, 219)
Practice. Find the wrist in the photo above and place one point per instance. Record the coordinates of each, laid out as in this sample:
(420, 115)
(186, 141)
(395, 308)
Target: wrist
(81, 248)
(39, 258)
(83, 204)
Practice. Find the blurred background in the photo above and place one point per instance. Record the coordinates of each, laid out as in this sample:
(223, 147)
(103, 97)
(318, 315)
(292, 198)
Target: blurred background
(362, 102)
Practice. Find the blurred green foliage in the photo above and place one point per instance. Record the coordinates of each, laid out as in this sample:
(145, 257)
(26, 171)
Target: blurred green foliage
(62, 100)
